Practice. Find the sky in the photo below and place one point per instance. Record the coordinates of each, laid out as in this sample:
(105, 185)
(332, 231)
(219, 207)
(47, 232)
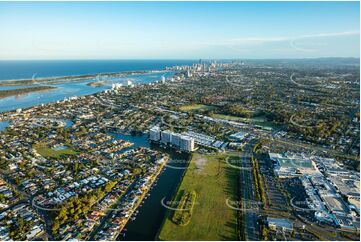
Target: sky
(178, 30)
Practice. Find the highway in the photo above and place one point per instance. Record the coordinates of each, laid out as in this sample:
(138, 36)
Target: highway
(248, 195)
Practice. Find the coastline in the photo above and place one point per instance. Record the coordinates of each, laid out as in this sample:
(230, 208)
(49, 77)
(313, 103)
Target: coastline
(20, 82)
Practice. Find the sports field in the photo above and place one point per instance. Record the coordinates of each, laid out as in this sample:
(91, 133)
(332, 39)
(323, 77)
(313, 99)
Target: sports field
(214, 181)
(44, 150)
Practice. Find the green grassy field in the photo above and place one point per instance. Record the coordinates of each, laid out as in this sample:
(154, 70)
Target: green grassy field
(214, 182)
(266, 124)
(195, 107)
(230, 117)
(45, 151)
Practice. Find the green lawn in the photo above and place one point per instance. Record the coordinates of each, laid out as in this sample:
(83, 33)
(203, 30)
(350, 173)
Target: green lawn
(214, 182)
(264, 123)
(44, 150)
(230, 117)
(196, 107)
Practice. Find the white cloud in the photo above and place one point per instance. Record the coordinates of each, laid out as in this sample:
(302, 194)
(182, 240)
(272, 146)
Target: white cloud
(240, 43)
(293, 42)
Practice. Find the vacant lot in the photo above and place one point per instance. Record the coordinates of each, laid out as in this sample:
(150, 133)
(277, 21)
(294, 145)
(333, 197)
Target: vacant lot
(214, 182)
(44, 150)
(196, 107)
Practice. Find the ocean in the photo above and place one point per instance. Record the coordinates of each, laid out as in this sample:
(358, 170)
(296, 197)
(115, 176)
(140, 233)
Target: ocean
(10, 70)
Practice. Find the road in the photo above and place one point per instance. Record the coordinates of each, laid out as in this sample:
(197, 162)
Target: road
(248, 195)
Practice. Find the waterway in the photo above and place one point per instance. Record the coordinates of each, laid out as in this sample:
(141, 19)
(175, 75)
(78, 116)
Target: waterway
(72, 88)
(68, 123)
(3, 125)
(151, 213)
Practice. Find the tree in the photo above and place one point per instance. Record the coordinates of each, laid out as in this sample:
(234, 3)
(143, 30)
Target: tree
(108, 187)
(55, 227)
(62, 212)
(264, 233)
(2, 198)
(136, 171)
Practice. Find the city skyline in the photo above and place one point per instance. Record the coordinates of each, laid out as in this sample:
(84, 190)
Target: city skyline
(179, 30)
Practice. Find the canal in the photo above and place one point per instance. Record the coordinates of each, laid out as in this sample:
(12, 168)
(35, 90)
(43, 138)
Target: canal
(3, 125)
(151, 212)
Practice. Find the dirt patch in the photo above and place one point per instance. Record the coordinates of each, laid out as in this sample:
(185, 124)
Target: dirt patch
(200, 163)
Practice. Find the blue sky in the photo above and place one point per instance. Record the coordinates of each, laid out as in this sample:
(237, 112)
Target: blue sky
(178, 30)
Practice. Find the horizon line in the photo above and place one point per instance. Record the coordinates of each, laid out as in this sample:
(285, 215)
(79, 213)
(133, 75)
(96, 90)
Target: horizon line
(196, 59)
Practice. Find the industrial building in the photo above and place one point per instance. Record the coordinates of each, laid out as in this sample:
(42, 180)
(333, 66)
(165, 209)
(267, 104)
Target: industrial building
(327, 202)
(240, 136)
(289, 165)
(326, 184)
(206, 140)
(280, 224)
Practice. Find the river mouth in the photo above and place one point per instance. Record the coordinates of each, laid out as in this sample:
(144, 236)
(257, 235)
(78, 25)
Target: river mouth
(151, 212)
(68, 88)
